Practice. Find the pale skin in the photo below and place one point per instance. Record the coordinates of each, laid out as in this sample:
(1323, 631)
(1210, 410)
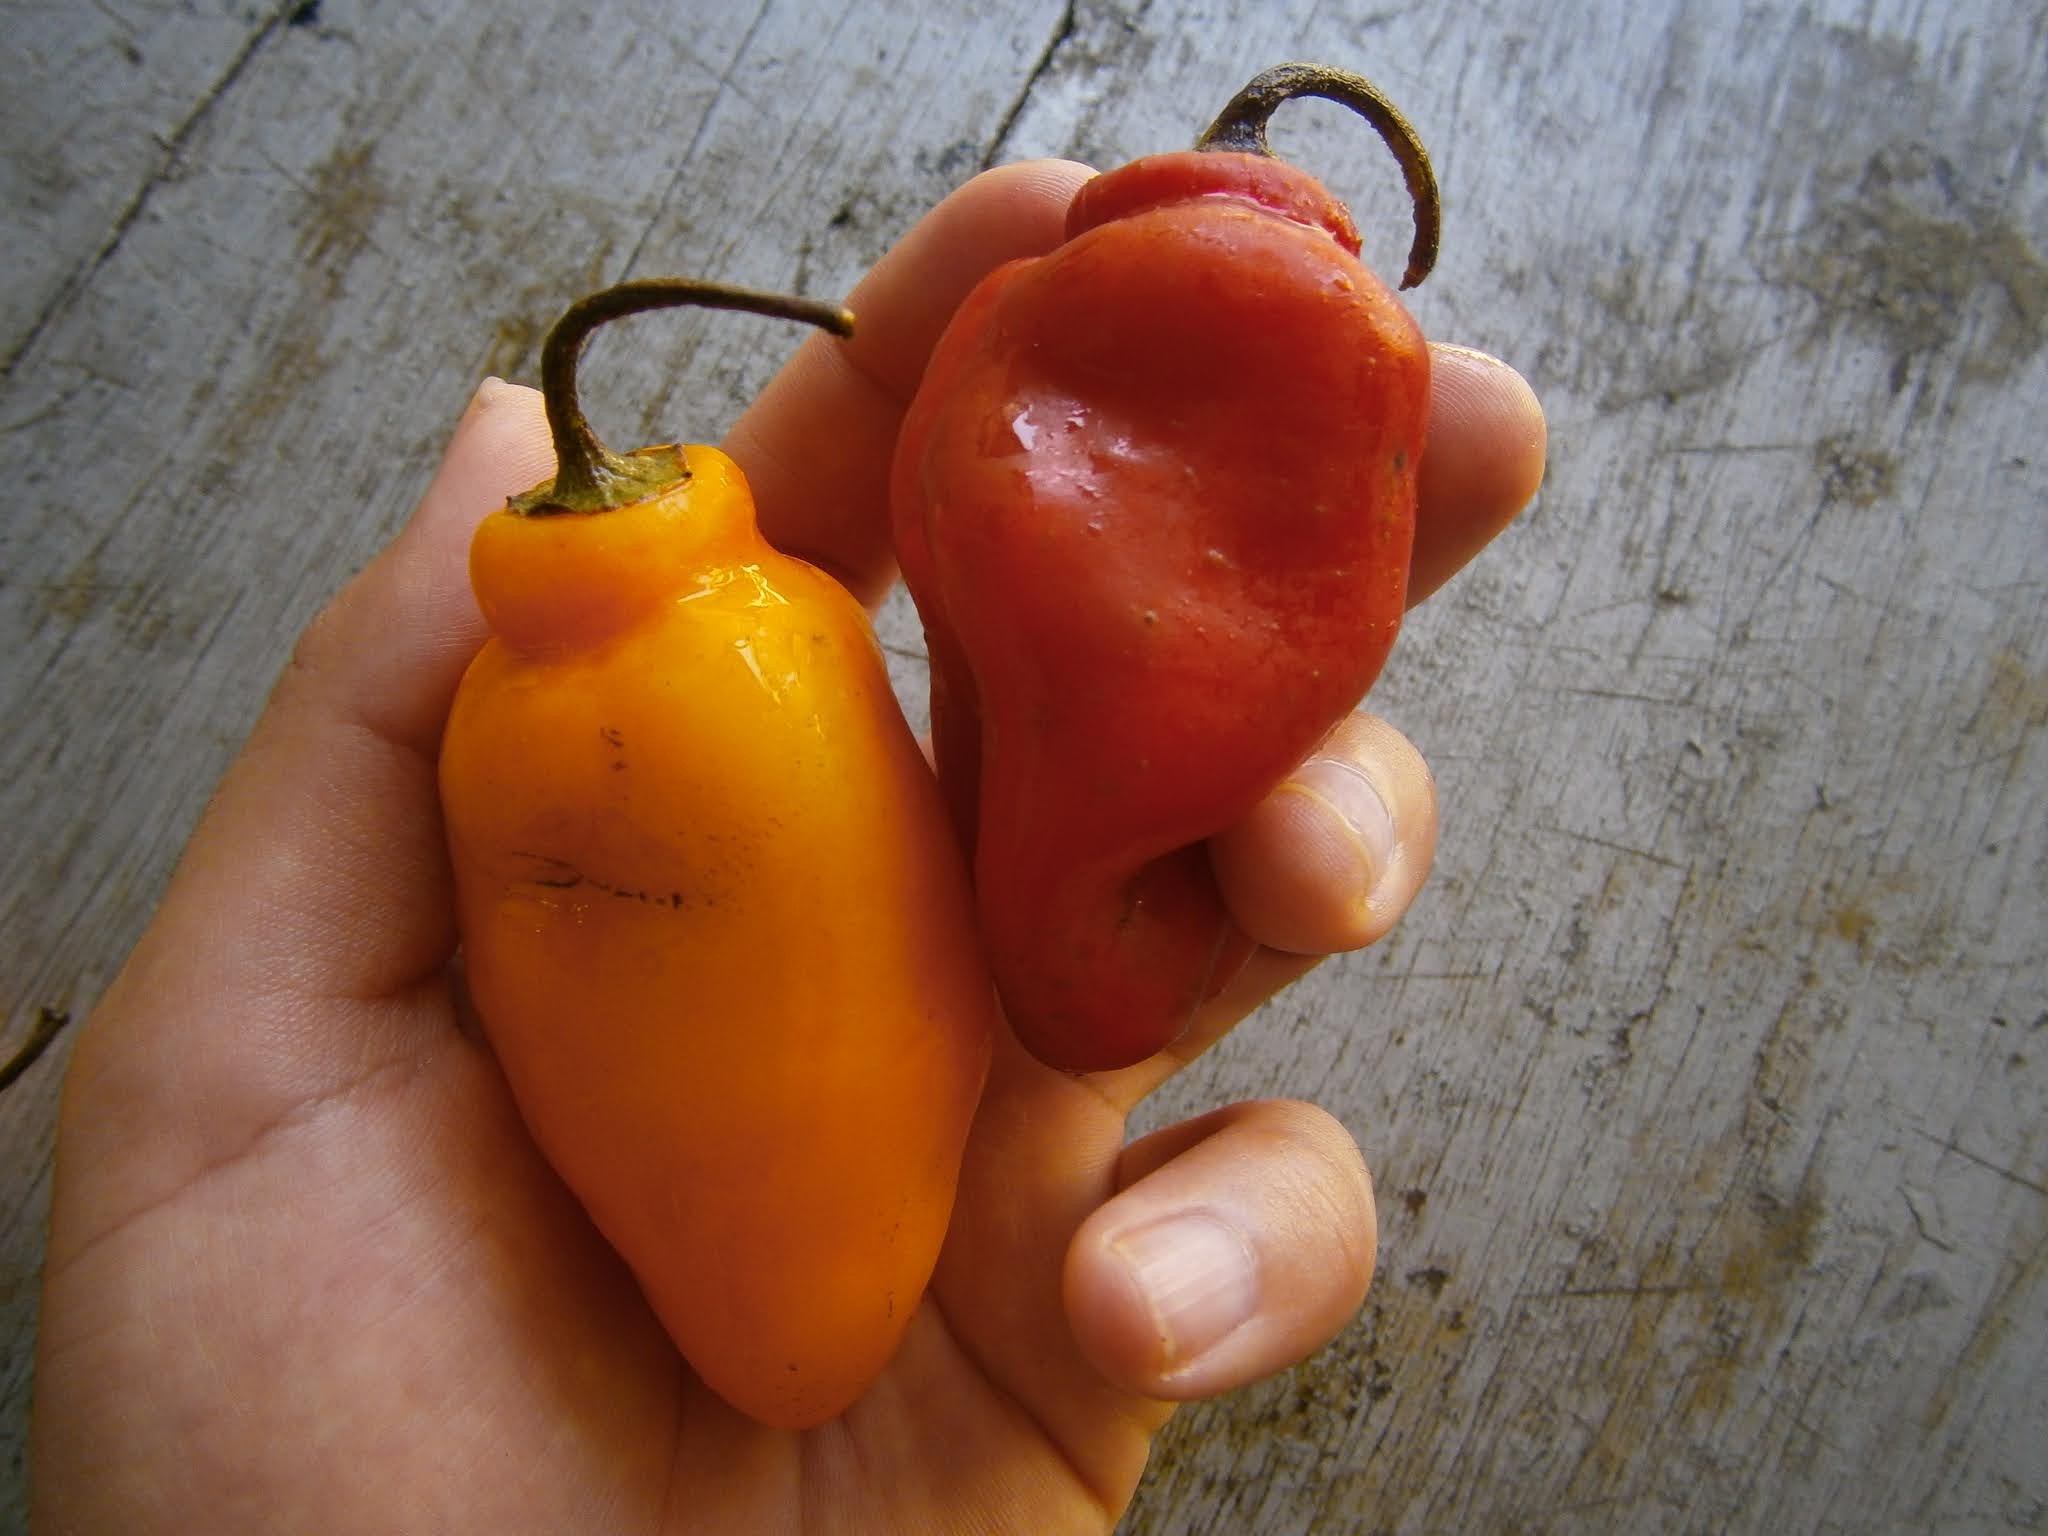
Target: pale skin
(306, 1271)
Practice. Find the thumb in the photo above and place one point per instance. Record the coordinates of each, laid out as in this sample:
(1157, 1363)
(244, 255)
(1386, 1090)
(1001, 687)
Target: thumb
(318, 864)
(315, 888)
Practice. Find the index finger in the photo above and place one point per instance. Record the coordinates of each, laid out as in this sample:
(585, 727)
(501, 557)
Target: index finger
(815, 446)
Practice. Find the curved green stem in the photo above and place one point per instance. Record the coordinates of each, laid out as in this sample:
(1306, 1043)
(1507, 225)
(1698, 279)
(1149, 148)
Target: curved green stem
(589, 477)
(1241, 127)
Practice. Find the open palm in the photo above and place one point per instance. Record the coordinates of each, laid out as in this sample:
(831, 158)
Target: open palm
(307, 1271)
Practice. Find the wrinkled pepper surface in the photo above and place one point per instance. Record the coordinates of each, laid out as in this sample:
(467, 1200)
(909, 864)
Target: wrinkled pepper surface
(713, 916)
(1155, 500)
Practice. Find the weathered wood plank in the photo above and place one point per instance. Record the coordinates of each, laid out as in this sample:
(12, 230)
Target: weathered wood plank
(102, 99)
(1704, 1086)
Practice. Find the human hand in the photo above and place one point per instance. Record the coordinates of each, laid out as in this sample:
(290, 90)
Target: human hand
(306, 1270)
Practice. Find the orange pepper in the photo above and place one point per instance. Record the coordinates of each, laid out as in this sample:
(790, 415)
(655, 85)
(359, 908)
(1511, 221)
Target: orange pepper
(713, 917)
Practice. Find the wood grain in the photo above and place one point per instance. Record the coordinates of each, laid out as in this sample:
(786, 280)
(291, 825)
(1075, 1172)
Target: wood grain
(1704, 1087)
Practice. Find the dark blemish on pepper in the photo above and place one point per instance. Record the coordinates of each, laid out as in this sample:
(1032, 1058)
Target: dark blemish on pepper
(563, 876)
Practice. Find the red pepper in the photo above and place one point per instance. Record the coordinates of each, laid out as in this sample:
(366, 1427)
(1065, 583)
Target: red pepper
(1155, 500)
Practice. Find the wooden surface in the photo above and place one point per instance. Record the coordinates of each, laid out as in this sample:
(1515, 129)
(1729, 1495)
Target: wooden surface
(1704, 1086)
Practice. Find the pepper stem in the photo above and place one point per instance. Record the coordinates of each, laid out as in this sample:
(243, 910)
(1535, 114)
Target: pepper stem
(589, 477)
(1241, 128)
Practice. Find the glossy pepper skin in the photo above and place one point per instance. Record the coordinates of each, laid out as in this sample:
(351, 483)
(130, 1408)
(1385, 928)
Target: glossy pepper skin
(1155, 501)
(717, 929)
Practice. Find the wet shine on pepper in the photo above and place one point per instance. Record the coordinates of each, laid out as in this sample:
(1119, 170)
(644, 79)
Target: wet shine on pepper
(1155, 501)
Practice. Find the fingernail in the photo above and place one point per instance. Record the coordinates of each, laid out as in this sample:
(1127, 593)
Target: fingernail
(1350, 796)
(1199, 1279)
(1486, 359)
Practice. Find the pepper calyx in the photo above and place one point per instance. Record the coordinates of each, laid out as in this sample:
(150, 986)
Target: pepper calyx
(589, 477)
(617, 480)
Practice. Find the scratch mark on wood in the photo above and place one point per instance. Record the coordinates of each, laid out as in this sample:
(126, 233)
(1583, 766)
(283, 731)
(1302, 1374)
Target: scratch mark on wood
(1717, 448)
(173, 149)
(1929, 1228)
(1058, 40)
(1624, 1291)
(1608, 843)
(1627, 696)
(1948, 1144)
(686, 162)
(49, 1022)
